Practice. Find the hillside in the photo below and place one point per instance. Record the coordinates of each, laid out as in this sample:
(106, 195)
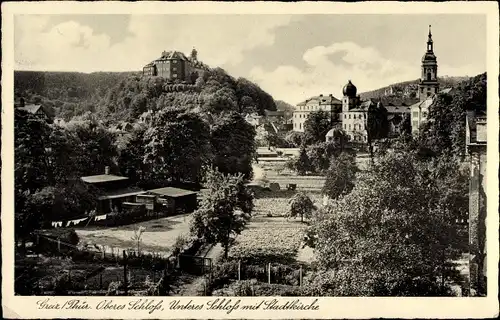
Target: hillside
(125, 96)
(406, 91)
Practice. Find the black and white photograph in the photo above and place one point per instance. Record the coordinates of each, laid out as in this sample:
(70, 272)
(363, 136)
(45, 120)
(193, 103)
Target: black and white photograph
(250, 155)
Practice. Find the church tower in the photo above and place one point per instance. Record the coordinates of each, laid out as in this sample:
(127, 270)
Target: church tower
(349, 100)
(428, 81)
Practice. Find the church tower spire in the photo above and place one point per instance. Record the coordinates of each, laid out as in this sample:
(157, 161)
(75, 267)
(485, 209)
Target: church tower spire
(428, 85)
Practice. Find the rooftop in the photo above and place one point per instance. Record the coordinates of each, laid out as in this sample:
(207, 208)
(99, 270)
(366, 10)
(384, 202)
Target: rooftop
(103, 178)
(321, 99)
(31, 108)
(172, 192)
(121, 193)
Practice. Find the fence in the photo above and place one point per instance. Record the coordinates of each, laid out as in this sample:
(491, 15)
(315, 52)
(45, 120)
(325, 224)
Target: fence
(269, 273)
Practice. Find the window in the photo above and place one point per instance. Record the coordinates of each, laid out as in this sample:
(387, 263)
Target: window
(345, 116)
(354, 116)
(174, 61)
(424, 114)
(174, 75)
(421, 90)
(174, 69)
(349, 117)
(349, 126)
(428, 76)
(345, 126)
(415, 124)
(415, 114)
(300, 126)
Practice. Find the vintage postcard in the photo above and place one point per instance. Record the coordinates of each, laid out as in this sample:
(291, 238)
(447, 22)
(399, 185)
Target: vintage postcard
(218, 160)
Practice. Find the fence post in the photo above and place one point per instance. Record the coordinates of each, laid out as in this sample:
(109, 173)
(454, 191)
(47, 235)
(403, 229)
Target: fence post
(300, 276)
(59, 245)
(125, 285)
(239, 270)
(103, 248)
(269, 273)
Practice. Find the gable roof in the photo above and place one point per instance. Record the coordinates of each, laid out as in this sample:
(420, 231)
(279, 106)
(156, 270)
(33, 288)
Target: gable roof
(31, 108)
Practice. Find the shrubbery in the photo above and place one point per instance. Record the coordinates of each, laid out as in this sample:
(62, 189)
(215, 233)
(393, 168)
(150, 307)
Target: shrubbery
(253, 288)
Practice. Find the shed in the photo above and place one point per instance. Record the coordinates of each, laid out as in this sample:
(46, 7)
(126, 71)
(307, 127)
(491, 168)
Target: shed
(176, 199)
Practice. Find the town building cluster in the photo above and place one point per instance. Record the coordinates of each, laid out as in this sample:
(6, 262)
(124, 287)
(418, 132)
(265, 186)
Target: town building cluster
(351, 112)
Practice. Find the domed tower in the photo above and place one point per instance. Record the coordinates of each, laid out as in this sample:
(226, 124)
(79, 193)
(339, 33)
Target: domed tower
(428, 84)
(350, 99)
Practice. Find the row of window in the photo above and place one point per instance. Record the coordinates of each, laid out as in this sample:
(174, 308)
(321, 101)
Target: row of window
(415, 114)
(167, 61)
(297, 126)
(312, 108)
(359, 138)
(356, 126)
(360, 116)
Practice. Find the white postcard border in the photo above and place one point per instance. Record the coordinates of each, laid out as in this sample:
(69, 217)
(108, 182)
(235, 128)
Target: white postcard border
(25, 307)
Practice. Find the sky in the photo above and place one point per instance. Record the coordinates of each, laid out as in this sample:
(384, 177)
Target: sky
(292, 57)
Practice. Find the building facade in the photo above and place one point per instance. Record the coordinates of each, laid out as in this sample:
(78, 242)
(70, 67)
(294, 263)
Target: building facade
(328, 103)
(476, 142)
(174, 65)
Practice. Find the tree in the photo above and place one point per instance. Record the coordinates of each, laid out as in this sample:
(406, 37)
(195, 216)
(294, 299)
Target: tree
(340, 176)
(30, 144)
(303, 164)
(445, 130)
(388, 234)
(176, 146)
(137, 237)
(295, 138)
(233, 144)
(96, 147)
(316, 126)
(301, 205)
(377, 125)
(131, 158)
(224, 211)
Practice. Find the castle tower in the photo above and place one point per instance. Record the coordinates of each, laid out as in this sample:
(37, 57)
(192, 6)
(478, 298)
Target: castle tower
(194, 55)
(349, 100)
(428, 80)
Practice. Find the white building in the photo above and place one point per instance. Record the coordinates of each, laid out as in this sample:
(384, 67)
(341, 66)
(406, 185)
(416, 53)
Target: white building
(328, 104)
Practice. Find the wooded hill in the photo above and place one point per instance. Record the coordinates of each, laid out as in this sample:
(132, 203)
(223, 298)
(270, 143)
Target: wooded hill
(412, 85)
(124, 96)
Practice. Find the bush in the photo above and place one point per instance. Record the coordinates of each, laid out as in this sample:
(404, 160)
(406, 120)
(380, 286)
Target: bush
(254, 288)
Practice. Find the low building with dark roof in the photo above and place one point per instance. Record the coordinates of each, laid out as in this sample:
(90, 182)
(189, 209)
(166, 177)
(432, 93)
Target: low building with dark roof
(175, 200)
(113, 191)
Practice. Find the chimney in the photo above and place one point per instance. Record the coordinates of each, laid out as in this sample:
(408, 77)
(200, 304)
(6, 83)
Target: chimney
(106, 170)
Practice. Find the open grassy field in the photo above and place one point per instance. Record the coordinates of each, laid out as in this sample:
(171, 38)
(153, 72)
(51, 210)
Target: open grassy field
(159, 236)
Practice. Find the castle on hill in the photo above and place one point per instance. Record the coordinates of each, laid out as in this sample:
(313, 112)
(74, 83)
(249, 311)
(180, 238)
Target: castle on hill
(174, 65)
